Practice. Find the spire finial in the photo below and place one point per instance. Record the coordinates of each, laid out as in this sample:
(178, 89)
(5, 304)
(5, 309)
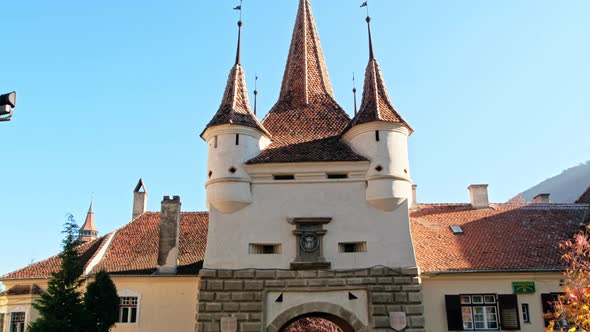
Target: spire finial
(91, 209)
(371, 52)
(240, 23)
(255, 93)
(354, 93)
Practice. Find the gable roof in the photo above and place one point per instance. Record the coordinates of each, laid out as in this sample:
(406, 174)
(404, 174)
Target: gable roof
(133, 249)
(44, 268)
(505, 237)
(306, 122)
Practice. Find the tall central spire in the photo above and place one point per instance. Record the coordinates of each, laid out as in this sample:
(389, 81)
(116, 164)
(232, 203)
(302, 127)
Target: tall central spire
(306, 73)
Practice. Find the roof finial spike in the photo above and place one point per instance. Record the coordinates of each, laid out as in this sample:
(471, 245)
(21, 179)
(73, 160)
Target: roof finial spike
(354, 93)
(240, 23)
(371, 52)
(255, 93)
(91, 209)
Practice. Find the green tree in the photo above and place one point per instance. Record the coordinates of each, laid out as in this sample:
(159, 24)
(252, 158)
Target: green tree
(102, 303)
(60, 307)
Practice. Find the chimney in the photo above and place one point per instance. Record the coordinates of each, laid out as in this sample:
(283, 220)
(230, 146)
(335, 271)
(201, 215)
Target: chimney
(139, 199)
(479, 196)
(169, 234)
(414, 201)
(541, 198)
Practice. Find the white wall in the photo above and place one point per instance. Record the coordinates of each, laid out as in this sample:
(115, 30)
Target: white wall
(265, 221)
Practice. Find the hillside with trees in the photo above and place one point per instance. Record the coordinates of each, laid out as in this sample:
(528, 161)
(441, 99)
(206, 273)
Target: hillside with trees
(566, 187)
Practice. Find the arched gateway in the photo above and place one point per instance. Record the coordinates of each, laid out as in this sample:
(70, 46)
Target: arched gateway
(344, 319)
(308, 208)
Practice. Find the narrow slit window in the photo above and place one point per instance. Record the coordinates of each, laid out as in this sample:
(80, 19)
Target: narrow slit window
(237, 139)
(264, 249)
(215, 142)
(377, 138)
(525, 313)
(284, 177)
(352, 247)
(337, 176)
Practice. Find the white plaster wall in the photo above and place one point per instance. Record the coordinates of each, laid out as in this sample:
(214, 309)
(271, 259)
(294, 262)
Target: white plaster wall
(265, 221)
(436, 287)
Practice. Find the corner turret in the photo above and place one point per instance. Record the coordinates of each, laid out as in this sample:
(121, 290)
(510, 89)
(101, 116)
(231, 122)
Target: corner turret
(233, 136)
(88, 231)
(379, 133)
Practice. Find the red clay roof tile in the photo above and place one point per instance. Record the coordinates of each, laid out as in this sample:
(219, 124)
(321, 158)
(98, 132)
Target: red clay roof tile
(33, 289)
(505, 237)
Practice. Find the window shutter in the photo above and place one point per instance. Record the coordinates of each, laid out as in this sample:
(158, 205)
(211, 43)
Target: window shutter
(454, 317)
(510, 319)
(546, 300)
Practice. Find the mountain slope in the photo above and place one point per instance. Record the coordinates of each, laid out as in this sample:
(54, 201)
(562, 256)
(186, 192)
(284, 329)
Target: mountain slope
(566, 187)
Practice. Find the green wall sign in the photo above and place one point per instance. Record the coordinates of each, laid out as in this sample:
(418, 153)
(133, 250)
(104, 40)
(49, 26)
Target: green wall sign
(523, 287)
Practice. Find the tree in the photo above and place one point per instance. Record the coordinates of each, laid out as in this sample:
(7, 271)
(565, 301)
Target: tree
(574, 305)
(101, 302)
(60, 307)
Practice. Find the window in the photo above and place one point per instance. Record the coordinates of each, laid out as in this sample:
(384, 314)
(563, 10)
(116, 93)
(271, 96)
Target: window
(237, 139)
(377, 138)
(2, 322)
(17, 322)
(475, 312)
(352, 247)
(128, 309)
(284, 177)
(264, 249)
(337, 176)
(525, 313)
(215, 142)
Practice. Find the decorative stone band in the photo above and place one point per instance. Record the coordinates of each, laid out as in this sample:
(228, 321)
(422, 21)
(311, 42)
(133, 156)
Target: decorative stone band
(242, 294)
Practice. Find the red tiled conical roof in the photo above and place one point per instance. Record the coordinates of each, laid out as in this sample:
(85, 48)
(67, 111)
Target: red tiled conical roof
(306, 122)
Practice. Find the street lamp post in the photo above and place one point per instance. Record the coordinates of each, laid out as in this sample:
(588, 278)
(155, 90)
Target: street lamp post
(7, 103)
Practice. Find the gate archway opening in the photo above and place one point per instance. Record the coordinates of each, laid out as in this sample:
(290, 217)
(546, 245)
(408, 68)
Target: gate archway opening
(317, 322)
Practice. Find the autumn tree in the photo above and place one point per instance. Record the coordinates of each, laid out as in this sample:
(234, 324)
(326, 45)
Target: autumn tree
(574, 305)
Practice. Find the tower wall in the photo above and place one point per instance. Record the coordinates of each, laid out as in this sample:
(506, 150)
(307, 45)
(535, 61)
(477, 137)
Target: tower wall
(229, 147)
(388, 178)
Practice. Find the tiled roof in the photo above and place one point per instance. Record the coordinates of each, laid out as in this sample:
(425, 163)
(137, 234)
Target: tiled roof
(134, 249)
(235, 106)
(33, 289)
(306, 122)
(89, 224)
(505, 237)
(45, 268)
(376, 104)
(585, 198)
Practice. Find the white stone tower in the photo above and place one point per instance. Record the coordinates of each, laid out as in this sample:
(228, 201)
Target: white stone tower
(381, 134)
(233, 136)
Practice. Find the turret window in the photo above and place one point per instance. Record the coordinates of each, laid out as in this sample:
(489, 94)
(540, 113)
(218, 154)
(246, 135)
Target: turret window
(284, 177)
(237, 139)
(377, 138)
(215, 142)
(338, 176)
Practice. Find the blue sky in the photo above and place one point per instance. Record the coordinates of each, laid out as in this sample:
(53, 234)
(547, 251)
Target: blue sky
(112, 91)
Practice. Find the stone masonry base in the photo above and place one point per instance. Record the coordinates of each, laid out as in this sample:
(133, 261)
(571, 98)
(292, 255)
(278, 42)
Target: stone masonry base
(241, 294)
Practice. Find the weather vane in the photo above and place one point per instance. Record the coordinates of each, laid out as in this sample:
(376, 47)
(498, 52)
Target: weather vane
(366, 5)
(239, 7)
(255, 93)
